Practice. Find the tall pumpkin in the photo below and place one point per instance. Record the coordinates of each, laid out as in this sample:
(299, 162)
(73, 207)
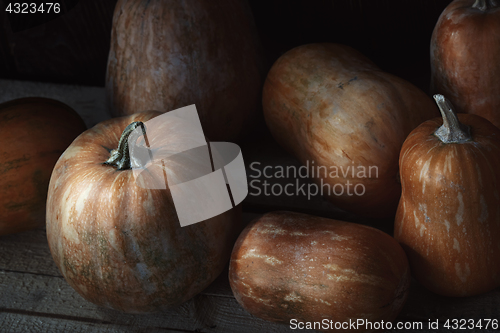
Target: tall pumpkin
(448, 219)
(465, 48)
(120, 245)
(168, 54)
(337, 112)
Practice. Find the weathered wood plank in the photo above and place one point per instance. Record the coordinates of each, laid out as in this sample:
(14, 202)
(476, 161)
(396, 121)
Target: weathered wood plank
(50, 297)
(53, 297)
(34, 259)
(34, 323)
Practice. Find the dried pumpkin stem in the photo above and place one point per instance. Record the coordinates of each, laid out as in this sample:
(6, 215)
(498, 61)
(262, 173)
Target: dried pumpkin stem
(120, 157)
(452, 131)
(484, 5)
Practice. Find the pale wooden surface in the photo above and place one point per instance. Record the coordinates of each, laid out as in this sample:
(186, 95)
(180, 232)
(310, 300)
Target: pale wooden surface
(34, 297)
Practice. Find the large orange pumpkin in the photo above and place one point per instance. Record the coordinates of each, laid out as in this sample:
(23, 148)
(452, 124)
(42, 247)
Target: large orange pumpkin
(34, 132)
(465, 49)
(448, 219)
(121, 245)
(332, 108)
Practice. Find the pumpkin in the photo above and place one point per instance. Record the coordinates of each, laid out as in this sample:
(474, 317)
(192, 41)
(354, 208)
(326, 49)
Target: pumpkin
(465, 48)
(34, 132)
(168, 54)
(118, 244)
(338, 113)
(288, 266)
(448, 219)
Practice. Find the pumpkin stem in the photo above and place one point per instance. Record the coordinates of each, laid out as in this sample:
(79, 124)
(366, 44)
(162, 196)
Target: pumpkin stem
(484, 5)
(452, 131)
(120, 157)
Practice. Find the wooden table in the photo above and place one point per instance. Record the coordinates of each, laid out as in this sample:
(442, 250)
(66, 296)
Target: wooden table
(34, 297)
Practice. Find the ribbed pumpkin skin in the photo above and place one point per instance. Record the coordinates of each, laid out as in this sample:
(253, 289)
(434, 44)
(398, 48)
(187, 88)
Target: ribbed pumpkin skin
(121, 246)
(448, 219)
(331, 106)
(287, 266)
(465, 48)
(169, 54)
(34, 132)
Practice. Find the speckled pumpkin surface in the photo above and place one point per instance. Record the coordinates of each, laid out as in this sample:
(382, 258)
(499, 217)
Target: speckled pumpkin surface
(119, 245)
(331, 107)
(465, 48)
(288, 265)
(448, 219)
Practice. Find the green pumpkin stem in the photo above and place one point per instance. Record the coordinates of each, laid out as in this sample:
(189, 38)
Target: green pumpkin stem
(484, 5)
(452, 131)
(120, 157)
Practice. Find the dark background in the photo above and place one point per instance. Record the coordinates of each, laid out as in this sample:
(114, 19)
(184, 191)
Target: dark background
(73, 48)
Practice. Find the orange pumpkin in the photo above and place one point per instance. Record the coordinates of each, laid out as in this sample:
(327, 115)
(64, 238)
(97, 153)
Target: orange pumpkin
(337, 112)
(120, 245)
(287, 266)
(34, 132)
(448, 219)
(465, 48)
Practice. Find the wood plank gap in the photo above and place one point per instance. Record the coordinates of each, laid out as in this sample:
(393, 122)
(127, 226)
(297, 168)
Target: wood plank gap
(80, 319)
(32, 273)
(51, 315)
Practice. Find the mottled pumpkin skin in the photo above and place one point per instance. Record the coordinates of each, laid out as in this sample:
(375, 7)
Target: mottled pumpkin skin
(448, 219)
(169, 54)
(287, 266)
(34, 132)
(465, 48)
(121, 246)
(331, 106)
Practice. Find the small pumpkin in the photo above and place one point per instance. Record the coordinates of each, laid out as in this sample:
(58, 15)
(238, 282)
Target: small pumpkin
(333, 108)
(288, 266)
(34, 132)
(168, 54)
(465, 48)
(120, 245)
(448, 219)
